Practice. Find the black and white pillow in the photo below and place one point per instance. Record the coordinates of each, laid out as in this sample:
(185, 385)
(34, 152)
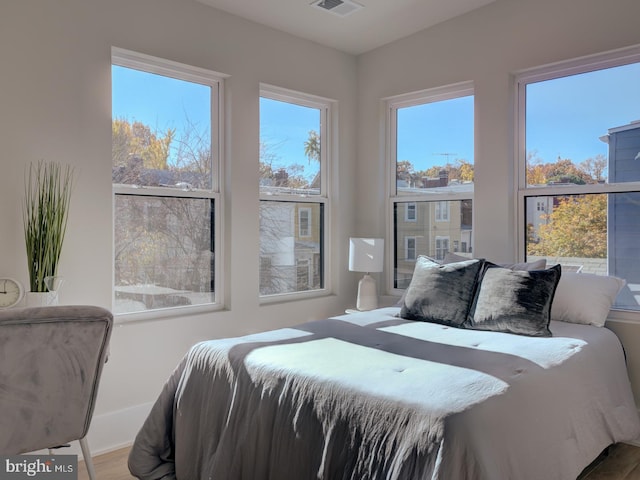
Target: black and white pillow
(441, 293)
(514, 301)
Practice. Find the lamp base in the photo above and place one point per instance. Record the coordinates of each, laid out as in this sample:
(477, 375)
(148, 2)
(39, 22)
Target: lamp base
(367, 294)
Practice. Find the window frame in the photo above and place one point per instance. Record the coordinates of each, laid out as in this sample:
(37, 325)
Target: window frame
(215, 80)
(309, 216)
(411, 207)
(440, 252)
(407, 248)
(391, 105)
(601, 61)
(442, 211)
(327, 107)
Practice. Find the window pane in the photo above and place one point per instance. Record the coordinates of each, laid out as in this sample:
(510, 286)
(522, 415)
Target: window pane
(580, 129)
(434, 147)
(289, 261)
(289, 148)
(163, 252)
(410, 212)
(428, 235)
(595, 233)
(161, 130)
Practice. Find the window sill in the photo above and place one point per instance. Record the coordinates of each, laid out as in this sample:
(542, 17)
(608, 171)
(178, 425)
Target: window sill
(166, 313)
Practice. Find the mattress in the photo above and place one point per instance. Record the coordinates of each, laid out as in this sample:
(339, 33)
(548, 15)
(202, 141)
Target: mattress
(373, 396)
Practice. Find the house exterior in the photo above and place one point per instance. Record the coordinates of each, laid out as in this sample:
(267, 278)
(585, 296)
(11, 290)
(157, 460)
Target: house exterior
(290, 247)
(623, 239)
(432, 228)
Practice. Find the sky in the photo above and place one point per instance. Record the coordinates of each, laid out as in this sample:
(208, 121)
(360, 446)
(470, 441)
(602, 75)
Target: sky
(284, 129)
(436, 133)
(158, 101)
(565, 117)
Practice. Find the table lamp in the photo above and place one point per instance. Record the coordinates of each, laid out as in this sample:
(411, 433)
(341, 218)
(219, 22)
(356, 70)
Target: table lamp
(366, 255)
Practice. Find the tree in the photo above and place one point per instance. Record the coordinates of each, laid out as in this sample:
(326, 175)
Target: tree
(577, 228)
(312, 146)
(192, 156)
(404, 171)
(465, 170)
(535, 170)
(461, 170)
(162, 240)
(565, 171)
(290, 175)
(135, 139)
(595, 167)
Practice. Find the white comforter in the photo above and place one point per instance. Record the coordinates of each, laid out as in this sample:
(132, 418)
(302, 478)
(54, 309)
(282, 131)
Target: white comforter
(370, 396)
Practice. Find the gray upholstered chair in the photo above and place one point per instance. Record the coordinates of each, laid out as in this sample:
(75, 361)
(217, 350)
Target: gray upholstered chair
(51, 359)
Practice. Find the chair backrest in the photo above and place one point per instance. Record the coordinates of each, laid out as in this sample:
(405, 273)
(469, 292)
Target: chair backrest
(51, 359)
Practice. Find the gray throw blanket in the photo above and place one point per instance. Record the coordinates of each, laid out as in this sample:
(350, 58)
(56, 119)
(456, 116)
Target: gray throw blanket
(370, 396)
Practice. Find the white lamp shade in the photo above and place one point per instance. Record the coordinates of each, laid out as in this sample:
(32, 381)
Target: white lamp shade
(366, 254)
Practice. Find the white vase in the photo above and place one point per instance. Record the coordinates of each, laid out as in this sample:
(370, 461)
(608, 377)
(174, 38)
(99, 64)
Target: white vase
(40, 299)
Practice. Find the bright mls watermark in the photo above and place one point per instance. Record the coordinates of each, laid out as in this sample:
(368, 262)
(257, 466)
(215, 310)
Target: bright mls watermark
(50, 467)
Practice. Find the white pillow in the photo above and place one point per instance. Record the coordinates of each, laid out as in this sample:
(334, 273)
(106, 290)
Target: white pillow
(540, 264)
(585, 298)
(453, 258)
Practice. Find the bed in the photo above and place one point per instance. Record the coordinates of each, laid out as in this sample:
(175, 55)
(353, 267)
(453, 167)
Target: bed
(372, 395)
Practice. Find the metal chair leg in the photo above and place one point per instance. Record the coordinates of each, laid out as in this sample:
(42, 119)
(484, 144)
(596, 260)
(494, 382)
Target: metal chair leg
(86, 454)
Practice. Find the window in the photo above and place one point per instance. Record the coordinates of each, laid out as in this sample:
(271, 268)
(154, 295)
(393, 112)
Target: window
(579, 167)
(442, 211)
(410, 213)
(165, 156)
(430, 151)
(304, 222)
(442, 247)
(410, 248)
(294, 160)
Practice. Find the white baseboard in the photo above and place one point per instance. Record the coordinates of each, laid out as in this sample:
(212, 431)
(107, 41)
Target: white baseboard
(635, 443)
(112, 431)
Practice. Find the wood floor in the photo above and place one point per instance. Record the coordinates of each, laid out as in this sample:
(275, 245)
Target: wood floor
(110, 466)
(621, 462)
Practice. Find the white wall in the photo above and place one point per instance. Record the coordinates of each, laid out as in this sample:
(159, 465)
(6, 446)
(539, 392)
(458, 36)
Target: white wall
(488, 46)
(55, 104)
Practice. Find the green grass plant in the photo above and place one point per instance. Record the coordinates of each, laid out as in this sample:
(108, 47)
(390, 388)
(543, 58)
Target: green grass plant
(47, 196)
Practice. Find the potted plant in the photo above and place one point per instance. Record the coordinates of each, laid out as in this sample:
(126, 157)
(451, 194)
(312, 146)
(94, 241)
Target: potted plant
(47, 195)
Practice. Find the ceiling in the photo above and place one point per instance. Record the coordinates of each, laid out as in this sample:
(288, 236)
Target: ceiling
(377, 23)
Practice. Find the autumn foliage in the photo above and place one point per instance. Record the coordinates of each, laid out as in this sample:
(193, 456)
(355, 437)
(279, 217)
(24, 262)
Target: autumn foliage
(577, 228)
(576, 225)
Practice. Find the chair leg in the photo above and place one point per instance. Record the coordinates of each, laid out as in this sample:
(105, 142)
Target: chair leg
(86, 454)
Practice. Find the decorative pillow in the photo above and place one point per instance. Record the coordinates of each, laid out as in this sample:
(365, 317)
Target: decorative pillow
(514, 301)
(585, 298)
(452, 258)
(441, 293)
(540, 264)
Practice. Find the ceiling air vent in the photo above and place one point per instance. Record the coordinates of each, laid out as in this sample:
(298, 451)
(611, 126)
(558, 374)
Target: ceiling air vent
(342, 8)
